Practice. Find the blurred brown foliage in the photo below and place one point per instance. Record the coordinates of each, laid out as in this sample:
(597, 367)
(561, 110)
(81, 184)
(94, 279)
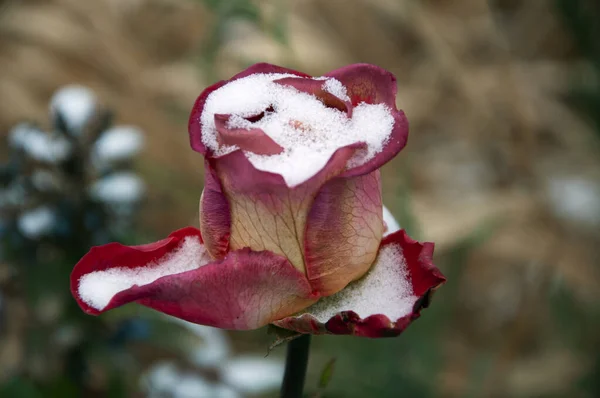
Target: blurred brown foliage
(494, 141)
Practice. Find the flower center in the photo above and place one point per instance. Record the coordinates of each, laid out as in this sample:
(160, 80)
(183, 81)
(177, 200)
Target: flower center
(308, 130)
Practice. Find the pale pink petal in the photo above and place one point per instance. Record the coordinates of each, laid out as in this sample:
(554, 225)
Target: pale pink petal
(343, 232)
(266, 214)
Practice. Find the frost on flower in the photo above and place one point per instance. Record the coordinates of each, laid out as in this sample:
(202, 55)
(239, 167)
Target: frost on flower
(308, 131)
(293, 231)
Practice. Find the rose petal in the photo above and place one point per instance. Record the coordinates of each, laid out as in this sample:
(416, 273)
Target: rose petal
(266, 214)
(360, 82)
(245, 290)
(374, 85)
(394, 145)
(254, 139)
(343, 232)
(194, 125)
(215, 216)
(315, 87)
(381, 304)
(367, 83)
(263, 67)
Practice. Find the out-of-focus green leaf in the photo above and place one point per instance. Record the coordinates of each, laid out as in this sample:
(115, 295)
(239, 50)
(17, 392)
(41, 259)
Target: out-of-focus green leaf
(279, 28)
(327, 374)
(63, 388)
(21, 388)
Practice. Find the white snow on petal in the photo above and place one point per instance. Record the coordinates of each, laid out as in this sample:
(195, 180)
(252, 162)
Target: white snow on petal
(575, 199)
(97, 288)
(309, 131)
(118, 143)
(386, 289)
(76, 104)
(123, 187)
(37, 222)
(252, 374)
(335, 87)
(390, 222)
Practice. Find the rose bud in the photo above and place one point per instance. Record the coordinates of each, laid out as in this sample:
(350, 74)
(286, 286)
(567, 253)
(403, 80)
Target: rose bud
(291, 217)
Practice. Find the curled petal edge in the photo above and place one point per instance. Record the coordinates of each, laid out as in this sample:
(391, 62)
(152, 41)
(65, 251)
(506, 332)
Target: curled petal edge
(426, 279)
(378, 81)
(254, 140)
(194, 125)
(215, 215)
(367, 83)
(315, 87)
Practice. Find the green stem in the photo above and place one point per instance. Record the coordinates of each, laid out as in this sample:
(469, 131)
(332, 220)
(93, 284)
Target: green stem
(295, 367)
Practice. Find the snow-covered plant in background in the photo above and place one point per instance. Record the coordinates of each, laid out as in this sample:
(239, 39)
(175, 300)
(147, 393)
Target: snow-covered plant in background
(217, 372)
(67, 184)
(75, 176)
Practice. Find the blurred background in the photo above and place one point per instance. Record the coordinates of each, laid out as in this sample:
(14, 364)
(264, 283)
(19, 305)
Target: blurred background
(501, 172)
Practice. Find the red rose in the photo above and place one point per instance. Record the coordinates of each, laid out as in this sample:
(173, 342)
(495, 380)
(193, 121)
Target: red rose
(291, 218)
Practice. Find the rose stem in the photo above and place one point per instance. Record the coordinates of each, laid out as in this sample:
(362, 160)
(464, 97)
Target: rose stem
(295, 367)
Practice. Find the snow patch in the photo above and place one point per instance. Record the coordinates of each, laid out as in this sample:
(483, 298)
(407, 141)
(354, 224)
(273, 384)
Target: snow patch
(37, 222)
(118, 143)
(308, 130)
(575, 199)
(118, 188)
(76, 104)
(97, 288)
(252, 374)
(386, 289)
(39, 145)
(335, 87)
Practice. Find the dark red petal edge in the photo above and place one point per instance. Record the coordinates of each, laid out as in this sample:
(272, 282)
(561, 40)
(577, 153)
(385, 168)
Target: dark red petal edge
(367, 83)
(245, 290)
(194, 125)
(239, 175)
(254, 140)
(315, 87)
(425, 276)
(130, 256)
(374, 85)
(396, 142)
